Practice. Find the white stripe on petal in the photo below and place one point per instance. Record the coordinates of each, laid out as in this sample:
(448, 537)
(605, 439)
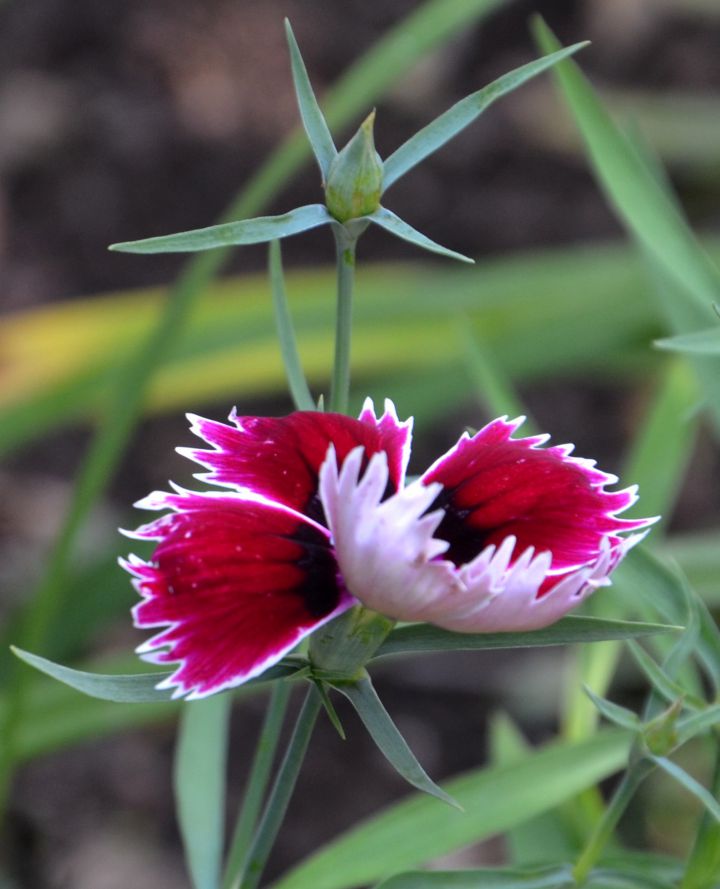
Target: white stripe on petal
(386, 551)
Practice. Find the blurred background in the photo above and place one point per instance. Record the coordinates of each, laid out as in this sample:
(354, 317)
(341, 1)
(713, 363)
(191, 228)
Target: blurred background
(121, 121)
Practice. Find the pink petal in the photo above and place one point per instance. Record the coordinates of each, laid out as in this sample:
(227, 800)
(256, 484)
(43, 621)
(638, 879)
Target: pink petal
(236, 582)
(280, 458)
(495, 487)
(508, 598)
(386, 551)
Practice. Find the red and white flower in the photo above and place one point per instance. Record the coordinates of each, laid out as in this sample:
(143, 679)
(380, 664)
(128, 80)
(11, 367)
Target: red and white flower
(499, 534)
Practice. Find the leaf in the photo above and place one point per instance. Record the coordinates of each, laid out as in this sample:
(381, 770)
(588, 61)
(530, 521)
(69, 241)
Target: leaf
(663, 684)
(391, 743)
(634, 190)
(701, 342)
(620, 716)
(690, 784)
(642, 574)
(232, 234)
(696, 723)
(663, 446)
(426, 637)
(199, 780)
(312, 117)
(485, 878)
(131, 689)
(390, 222)
(301, 395)
(495, 799)
(445, 127)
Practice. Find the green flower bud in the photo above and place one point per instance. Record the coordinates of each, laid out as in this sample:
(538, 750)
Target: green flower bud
(354, 180)
(660, 735)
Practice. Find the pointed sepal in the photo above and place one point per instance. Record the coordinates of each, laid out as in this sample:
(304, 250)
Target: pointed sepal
(355, 177)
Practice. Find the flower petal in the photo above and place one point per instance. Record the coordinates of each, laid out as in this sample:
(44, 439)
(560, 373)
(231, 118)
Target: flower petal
(495, 487)
(386, 551)
(511, 598)
(236, 581)
(280, 458)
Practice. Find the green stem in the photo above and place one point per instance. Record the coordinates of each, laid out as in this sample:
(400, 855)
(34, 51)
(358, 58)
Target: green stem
(703, 867)
(345, 258)
(604, 829)
(257, 782)
(280, 796)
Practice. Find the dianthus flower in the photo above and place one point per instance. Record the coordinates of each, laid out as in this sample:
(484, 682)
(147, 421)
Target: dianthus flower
(499, 534)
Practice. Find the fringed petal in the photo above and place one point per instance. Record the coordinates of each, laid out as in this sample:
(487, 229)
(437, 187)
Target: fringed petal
(235, 582)
(521, 596)
(495, 487)
(386, 551)
(280, 458)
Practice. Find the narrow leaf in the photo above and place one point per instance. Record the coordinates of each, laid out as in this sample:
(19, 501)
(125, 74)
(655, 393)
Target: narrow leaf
(485, 878)
(690, 784)
(495, 799)
(663, 684)
(133, 688)
(390, 222)
(384, 732)
(445, 127)
(426, 637)
(614, 712)
(232, 234)
(297, 383)
(199, 779)
(701, 342)
(697, 723)
(312, 117)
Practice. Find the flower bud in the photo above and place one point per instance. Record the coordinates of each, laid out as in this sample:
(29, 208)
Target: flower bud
(354, 180)
(660, 735)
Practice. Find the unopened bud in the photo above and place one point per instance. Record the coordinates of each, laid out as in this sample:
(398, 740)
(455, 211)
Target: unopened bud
(660, 735)
(354, 180)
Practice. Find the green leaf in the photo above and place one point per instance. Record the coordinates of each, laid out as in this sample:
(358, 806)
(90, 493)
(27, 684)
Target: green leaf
(131, 689)
(545, 839)
(390, 222)
(663, 684)
(426, 637)
(620, 716)
(301, 395)
(690, 784)
(485, 878)
(312, 117)
(233, 234)
(445, 127)
(701, 342)
(391, 743)
(495, 799)
(634, 190)
(662, 448)
(696, 723)
(643, 575)
(199, 780)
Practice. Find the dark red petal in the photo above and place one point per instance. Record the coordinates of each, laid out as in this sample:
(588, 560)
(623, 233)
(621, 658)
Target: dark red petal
(280, 458)
(496, 486)
(236, 582)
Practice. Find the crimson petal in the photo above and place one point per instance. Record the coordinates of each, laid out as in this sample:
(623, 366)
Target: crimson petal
(280, 458)
(496, 486)
(236, 581)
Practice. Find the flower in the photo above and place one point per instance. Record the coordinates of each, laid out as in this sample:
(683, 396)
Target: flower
(499, 534)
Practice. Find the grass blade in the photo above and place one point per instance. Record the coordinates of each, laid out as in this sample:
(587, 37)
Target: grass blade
(199, 780)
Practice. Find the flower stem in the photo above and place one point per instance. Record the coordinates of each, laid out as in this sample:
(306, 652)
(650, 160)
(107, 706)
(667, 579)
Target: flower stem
(624, 792)
(257, 782)
(280, 795)
(345, 259)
